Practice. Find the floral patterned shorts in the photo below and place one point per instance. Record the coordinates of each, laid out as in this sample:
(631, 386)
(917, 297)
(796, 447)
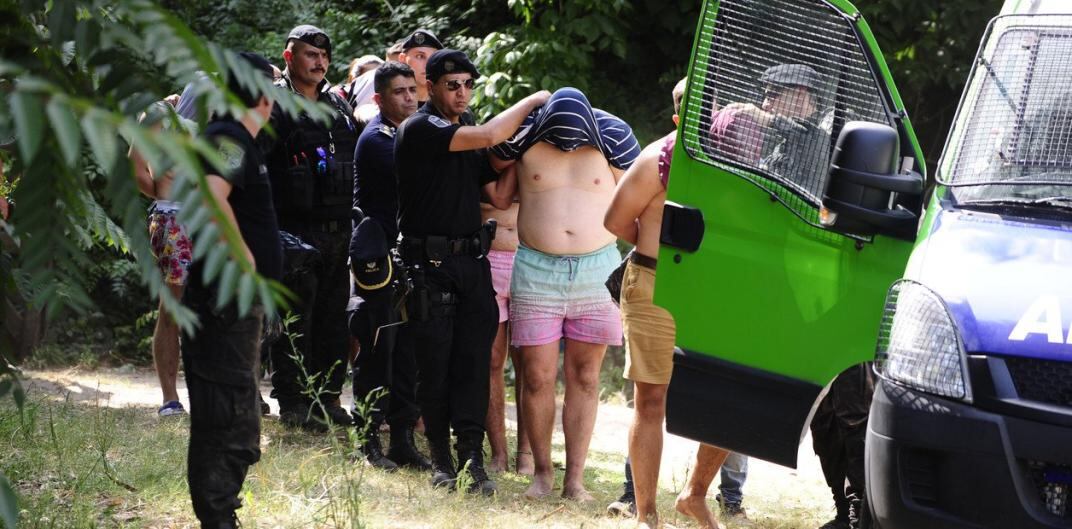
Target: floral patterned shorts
(170, 244)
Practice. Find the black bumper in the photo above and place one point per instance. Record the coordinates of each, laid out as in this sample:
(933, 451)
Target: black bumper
(937, 463)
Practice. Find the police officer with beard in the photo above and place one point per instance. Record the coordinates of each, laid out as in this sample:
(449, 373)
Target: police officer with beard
(442, 170)
(311, 169)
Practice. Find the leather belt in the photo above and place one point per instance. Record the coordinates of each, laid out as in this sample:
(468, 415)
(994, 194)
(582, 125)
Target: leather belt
(638, 258)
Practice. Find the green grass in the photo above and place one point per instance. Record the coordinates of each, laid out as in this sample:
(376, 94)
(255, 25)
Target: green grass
(85, 465)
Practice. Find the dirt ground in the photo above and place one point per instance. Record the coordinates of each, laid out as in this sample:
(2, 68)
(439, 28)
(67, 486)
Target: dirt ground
(770, 488)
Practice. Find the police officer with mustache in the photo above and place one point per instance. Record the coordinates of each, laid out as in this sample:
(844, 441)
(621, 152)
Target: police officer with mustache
(311, 169)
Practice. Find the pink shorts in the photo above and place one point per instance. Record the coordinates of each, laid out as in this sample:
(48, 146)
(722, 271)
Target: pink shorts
(555, 296)
(502, 267)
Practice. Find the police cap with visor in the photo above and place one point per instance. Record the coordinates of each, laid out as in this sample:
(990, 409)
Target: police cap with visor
(312, 36)
(370, 261)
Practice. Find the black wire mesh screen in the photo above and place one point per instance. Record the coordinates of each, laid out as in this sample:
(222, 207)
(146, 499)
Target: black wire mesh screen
(1018, 122)
(800, 62)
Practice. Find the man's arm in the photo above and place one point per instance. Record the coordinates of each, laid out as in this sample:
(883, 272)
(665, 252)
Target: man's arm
(499, 128)
(501, 192)
(221, 189)
(142, 176)
(635, 191)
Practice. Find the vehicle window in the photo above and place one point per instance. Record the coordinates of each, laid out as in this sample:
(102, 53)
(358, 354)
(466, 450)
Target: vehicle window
(1014, 139)
(777, 81)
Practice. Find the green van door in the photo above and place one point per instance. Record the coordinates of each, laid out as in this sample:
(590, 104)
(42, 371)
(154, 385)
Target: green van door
(770, 305)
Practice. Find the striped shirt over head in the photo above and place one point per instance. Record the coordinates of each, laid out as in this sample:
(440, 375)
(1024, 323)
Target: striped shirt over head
(568, 121)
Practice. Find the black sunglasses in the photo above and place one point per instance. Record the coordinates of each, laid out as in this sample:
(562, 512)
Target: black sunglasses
(453, 84)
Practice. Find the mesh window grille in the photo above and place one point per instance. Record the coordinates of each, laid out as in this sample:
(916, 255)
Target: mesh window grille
(1018, 123)
(788, 156)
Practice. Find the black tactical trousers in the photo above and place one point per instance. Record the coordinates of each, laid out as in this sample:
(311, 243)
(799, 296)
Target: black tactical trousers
(838, 431)
(221, 364)
(382, 365)
(324, 342)
(453, 350)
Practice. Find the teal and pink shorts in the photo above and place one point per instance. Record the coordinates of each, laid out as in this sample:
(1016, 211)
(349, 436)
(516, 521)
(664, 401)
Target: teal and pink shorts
(556, 296)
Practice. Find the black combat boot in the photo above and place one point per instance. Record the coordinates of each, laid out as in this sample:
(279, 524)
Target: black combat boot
(443, 474)
(471, 461)
(294, 413)
(404, 451)
(373, 451)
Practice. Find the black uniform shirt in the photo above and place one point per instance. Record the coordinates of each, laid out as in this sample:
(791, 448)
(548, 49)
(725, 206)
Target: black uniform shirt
(375, 186)
(438, 190)
(250, 198)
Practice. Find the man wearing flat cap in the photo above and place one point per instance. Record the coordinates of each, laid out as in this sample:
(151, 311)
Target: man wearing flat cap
(311, 168)
(416, 49)
(442, 171)
(783, 137)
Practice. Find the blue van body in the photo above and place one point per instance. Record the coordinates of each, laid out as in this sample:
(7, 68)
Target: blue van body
(999, 456)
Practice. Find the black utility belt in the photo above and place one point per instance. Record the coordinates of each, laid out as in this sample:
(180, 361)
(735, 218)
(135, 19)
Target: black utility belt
(323, 226)
(440, 247)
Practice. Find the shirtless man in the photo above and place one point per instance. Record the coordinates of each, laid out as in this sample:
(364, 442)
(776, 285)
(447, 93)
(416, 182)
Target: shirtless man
(636, 215)
(569, 158)
(501, 258)
(173, 251)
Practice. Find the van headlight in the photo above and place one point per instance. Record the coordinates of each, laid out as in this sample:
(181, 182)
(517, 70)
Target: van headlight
(918, 343)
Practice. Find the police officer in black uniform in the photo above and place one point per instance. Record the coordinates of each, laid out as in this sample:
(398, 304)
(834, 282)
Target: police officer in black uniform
(381, 366)
(442, 170)
(311, 167)
(222, 360)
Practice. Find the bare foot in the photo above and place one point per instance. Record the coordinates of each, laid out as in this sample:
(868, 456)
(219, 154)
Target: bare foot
(695, 507)
(497, 464)
(541, 487)
(578, 494)
(525, 466)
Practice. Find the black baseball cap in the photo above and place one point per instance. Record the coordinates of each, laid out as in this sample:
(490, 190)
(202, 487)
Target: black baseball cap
(421, 38)
(447, 61)
(312, 36)
(791, 75)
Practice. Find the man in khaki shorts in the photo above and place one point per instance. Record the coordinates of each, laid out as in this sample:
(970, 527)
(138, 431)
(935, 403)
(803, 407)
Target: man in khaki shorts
(635, 215)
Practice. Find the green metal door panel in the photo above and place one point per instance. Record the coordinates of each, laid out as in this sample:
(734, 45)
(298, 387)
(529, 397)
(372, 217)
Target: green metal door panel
(772, 306)
(768, 291)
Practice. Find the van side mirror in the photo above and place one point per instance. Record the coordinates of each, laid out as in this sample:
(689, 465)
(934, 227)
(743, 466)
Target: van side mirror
(861, 192)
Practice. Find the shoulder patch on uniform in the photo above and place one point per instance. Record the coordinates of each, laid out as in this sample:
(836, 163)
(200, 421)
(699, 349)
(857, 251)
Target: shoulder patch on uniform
(438, 121)
(232, 154)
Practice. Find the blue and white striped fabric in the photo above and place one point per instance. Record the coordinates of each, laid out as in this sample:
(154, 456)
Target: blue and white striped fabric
(568, 121)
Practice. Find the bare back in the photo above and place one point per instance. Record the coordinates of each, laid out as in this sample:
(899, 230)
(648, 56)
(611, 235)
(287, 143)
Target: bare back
(564, 196)
(650, 225)
(506, 232)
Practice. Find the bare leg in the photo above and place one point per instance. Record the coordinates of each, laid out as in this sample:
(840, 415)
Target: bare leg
(166, 349)
(692, 501)
(646, 446)
(581, 366)
(538, 400)
(495, 424)
(524, 448)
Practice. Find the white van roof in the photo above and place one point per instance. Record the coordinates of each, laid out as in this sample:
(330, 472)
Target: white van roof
(1036, 7)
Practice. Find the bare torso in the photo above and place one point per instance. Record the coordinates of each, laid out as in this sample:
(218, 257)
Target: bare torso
(506, 233)
(564, 196)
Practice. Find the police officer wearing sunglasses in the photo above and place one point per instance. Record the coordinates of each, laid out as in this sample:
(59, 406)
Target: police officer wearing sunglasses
(442, 171)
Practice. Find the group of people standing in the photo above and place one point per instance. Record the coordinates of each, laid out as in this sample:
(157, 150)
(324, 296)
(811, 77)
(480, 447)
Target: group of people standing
(441, 247)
